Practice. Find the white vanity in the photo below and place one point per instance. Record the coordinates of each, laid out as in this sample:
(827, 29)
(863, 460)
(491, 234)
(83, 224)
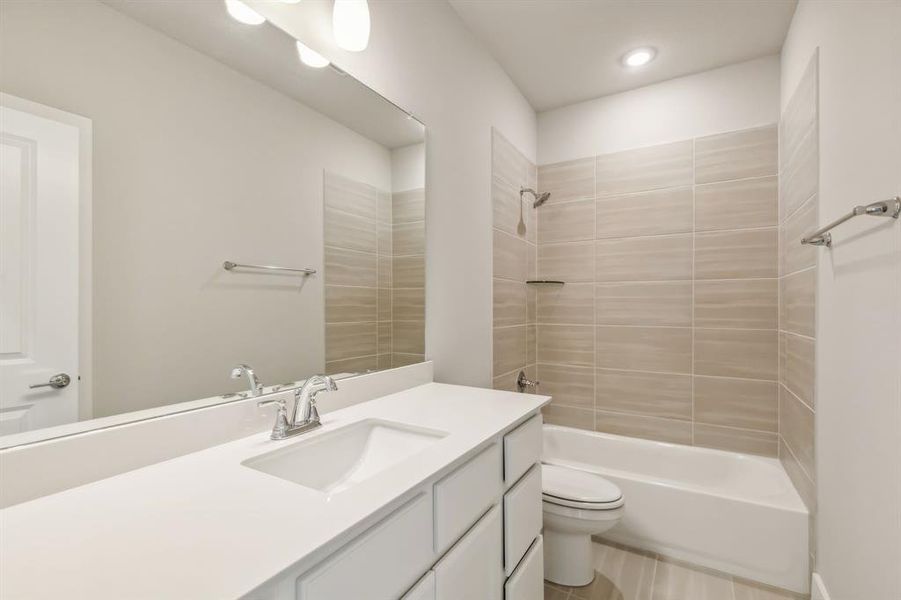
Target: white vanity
(429, 493)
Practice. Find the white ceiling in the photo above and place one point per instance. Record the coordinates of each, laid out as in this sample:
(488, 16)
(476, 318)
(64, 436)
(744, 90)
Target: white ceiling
(268, 55)
(563, 51)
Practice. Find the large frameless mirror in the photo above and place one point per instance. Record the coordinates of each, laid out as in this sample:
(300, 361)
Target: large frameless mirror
(181, 195)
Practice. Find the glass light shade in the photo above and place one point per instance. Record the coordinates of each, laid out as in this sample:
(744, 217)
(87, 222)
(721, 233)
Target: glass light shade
(310, 57)
(243, 13)
(350, 24)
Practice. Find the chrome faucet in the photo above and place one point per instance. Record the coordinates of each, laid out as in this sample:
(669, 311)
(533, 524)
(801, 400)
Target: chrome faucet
(255, 383)
(304, 415)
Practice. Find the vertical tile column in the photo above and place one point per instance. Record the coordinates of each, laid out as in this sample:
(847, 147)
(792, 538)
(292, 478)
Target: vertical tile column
(351, 275)
(736, 292)
(799, 178)
(408, 285)
(514, 250)
(385, 279)
(566, 315)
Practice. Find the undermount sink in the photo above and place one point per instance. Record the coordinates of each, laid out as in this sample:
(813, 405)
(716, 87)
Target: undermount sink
(337, 460)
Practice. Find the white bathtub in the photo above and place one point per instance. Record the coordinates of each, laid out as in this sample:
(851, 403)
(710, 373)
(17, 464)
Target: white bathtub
(736, 513)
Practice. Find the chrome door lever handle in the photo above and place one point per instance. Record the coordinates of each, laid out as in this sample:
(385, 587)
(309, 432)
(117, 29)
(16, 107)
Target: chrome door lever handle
(58, 381)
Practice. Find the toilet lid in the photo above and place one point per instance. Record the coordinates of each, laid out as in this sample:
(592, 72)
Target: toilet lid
(573, 487)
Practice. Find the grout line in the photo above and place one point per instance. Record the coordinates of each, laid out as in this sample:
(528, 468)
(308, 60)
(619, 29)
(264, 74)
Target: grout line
(793, 273)
(799, 208)
(798, 335)
(637, 414)
(618, 370)
(694, 216)
(629, 281)
(797, 397)
(594, 304)
(799, 463)
(552, 324)
(692, 231)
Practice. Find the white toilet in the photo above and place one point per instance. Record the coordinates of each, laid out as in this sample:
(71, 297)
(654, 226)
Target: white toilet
(577, 505)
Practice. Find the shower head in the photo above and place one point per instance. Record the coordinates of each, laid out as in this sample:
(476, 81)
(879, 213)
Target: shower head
(539, 198)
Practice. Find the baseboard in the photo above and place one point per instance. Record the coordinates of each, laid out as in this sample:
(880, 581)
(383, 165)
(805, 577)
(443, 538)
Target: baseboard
(818, 588)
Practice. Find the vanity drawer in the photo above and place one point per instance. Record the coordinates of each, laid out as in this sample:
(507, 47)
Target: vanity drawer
(522, 449)
(382, 563)
(522, 517)
(527, 581)
(472, 570)
(423, 590)
(464, 495)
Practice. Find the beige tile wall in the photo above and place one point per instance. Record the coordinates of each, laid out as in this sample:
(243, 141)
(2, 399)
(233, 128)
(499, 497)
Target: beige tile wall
(374, 276)
(668, 325)
(354, 216)
(798, 167)
(407, 339)
(514, 262)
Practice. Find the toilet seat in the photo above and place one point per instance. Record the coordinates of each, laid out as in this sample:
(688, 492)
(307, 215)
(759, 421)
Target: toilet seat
(567, 487)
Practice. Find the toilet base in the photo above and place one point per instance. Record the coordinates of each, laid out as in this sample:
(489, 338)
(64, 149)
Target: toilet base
(568, 559)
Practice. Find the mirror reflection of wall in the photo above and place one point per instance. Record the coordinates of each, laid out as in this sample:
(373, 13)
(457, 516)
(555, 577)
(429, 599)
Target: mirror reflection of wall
(375, 268)
(190, 142)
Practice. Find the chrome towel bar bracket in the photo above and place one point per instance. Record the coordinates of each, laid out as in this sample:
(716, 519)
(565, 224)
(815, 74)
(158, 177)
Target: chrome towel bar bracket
(885, 208)
(231, 266)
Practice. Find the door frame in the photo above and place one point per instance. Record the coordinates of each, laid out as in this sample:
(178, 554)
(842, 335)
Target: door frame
(85, 239)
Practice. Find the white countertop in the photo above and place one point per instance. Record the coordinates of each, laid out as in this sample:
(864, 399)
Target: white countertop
(204, 526)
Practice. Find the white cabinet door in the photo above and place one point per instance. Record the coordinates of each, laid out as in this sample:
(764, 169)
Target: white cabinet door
(527, 582)
(522, 449)
(380, 564)
(522, 517)
(465, 494)
(472, 569)
(424, 589)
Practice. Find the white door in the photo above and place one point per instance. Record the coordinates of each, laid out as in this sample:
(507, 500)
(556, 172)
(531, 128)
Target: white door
(39, 211)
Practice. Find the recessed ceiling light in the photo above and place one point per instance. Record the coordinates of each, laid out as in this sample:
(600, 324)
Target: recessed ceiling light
(243, 13)
(310, 57)
(350, 24)
(639, 57)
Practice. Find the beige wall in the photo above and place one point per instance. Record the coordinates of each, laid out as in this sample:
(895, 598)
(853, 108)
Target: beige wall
(858, 332)
(667, 325)
(513, 263)
(739, 96)
(798, 172)
(194, 164)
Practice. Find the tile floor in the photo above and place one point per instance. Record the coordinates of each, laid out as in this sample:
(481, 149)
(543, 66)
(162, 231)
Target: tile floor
(628, 574)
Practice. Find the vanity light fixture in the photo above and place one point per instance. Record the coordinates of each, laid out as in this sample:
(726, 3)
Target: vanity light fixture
(639, 57)
(350, 24)
(310, 57)
(243, 13)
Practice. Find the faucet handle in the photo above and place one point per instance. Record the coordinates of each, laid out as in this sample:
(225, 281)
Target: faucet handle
(522, 382)
(280, 428)
(279, 401)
